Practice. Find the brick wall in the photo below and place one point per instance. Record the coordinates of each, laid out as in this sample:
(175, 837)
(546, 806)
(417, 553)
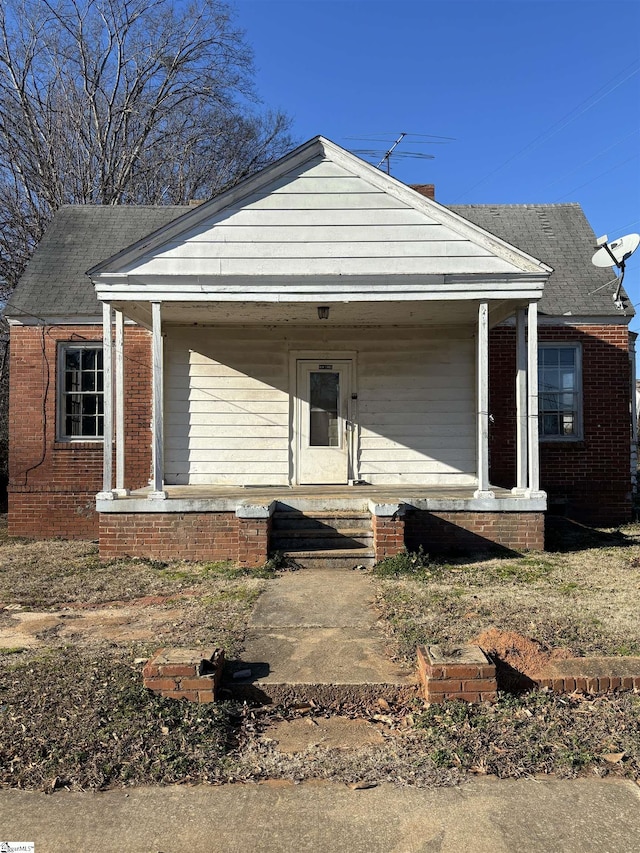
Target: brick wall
(590, 477)
(457, 532)
(52, 485)
(185, 536)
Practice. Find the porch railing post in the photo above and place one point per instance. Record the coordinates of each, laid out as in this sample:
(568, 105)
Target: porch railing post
(157, 486)
(521, 404)
(482, 396)
(119, 403)
(107, 430)
(532, 401)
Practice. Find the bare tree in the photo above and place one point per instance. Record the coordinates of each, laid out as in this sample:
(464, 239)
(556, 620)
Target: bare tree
(121, 101)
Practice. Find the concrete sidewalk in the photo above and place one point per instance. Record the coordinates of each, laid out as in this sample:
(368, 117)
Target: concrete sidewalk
(484, 816)
(314, 634)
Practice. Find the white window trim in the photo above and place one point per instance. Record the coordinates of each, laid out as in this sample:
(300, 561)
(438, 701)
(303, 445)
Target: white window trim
(579, 436)
(61, 437)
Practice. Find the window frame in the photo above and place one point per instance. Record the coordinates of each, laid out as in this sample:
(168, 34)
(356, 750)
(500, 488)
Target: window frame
(579, 434)
(61, 393)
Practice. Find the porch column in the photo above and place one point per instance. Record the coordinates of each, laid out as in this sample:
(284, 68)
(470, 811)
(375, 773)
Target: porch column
(482, 395)
(157, 487)
(521, 404)
(107, 431)
(119, 403)
(532, 401)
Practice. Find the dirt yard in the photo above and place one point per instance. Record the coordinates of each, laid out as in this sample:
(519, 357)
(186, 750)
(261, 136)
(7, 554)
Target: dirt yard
(74, 633)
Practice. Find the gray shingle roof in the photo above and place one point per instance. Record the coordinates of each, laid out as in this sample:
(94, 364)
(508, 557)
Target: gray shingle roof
(55, 282)
(560, 236)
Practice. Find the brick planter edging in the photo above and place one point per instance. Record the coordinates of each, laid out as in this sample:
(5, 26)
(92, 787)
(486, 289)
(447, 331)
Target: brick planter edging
(192, 674)
(462, 673)
(466, 673)
(591, 675)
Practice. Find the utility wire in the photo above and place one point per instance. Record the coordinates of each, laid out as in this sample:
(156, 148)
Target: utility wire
(591, 159)
(559, 125)
(591, 180)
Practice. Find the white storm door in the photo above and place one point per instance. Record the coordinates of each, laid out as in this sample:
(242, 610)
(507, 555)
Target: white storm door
(324, 392)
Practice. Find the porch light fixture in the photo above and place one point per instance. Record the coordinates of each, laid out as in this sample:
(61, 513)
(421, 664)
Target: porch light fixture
(323, 312)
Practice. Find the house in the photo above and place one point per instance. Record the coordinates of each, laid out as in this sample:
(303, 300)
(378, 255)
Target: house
(319, 341)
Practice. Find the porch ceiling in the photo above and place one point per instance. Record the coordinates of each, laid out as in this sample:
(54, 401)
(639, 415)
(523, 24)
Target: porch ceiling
(388, 313)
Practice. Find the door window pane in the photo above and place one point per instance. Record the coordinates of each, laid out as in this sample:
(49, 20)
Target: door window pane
(324, 408)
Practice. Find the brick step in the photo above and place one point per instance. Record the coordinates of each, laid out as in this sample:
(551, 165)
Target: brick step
(347, 558)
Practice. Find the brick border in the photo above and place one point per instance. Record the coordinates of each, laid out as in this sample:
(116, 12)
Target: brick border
(594, 676)
(192, 674)
(466, 674)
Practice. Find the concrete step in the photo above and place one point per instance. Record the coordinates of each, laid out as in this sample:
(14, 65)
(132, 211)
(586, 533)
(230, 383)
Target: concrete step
(338, 657)
(343, 696)
(316, 545)
(323, 532)
(320, 540)
(321, 521)
(345, 558)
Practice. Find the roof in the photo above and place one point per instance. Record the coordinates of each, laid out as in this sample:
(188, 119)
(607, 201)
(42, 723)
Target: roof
(79, 237)
(55, 282)
(561, 236)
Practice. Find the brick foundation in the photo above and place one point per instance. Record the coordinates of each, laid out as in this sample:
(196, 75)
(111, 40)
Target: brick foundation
(192, 674)
(388, 535)
(450, 532)
(168, 536)
(465, 673)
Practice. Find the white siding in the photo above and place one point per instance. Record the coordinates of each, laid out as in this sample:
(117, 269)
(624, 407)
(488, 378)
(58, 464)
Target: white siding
(227, 418)
(226, 409)
(320, 220)
(416, 410)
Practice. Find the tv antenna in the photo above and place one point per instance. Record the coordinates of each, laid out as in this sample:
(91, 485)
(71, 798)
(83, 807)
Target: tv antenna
(615, 254)
(384, 149)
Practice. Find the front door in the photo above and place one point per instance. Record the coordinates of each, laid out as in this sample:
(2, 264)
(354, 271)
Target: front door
(323, 420)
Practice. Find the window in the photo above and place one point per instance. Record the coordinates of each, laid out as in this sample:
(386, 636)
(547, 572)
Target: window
(80, 399)
(559, 392)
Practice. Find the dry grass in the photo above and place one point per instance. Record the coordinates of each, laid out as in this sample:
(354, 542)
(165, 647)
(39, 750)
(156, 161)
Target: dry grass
(74, 713)
(586, 600)
(199, 603)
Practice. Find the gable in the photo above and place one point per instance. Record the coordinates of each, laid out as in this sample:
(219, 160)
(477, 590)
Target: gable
(321, 212)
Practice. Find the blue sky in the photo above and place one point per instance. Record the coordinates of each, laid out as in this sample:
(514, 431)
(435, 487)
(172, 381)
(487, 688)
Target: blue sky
(541, 97)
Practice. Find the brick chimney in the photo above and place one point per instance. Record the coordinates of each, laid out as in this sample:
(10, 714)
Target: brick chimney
(427, 190)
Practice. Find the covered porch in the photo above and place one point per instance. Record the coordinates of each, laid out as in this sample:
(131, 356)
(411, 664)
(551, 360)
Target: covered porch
(321, 326)
(236, 404)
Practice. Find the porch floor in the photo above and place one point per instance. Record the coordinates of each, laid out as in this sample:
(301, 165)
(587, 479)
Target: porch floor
(332, 497)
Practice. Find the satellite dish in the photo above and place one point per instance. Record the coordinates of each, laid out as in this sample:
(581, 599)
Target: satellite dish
(617, 252)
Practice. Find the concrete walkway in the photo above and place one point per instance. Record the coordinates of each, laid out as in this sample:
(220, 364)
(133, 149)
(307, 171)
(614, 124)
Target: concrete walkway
(484, 816)
(314, 633)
